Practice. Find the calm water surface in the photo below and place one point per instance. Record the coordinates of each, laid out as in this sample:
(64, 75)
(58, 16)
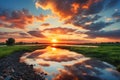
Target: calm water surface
(61, 64)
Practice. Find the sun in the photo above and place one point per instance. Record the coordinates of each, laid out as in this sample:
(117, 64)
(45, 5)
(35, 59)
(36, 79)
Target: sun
(54, 40)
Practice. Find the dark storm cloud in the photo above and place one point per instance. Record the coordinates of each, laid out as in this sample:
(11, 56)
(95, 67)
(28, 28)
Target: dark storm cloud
(98, 26)
(96, 17)
(82, 20)
(36, 34)
(115, 34)
(96, 7)
(112, 3)
(116, 16)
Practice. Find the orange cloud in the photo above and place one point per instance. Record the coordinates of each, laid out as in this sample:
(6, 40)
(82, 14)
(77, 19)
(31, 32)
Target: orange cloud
(75, 7)
(64, 9)
(41, 17)
(59, 30)
(57, 8)
(16, 19)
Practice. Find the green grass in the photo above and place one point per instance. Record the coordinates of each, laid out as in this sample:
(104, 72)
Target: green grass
(7, 50)
(108, 53)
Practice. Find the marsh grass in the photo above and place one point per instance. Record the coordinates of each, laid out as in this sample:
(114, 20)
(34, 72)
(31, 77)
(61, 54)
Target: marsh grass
(7, 50)
(108, 53)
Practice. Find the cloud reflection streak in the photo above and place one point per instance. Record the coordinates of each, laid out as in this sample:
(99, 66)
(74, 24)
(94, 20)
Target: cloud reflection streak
(61, 64)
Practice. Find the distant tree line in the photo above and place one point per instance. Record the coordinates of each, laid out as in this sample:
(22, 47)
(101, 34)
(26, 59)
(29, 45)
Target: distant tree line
(11, 42)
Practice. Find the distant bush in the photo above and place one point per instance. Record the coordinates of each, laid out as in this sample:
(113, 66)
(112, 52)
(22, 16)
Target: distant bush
(10, 41)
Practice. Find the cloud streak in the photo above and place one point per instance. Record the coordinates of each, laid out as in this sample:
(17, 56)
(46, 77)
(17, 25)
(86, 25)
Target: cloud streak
(114, 34)
(5, 35)
(36, 34)
(59, 30)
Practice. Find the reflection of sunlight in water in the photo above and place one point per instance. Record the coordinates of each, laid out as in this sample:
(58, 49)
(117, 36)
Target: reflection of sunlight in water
(53, 49)
(61, 64)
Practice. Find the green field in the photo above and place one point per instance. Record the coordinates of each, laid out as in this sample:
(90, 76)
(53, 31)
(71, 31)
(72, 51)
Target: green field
(109, 53)
(7, 50)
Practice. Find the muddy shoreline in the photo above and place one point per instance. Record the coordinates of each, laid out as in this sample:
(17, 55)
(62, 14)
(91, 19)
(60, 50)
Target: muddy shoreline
(12, 69)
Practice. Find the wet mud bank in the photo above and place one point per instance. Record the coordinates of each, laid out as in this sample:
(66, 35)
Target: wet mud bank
(12, 69)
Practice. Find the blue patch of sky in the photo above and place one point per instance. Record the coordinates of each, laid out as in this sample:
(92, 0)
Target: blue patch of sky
(20, 4)
(107, 13)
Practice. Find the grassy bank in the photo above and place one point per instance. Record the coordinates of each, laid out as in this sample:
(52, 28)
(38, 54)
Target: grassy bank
(108, 53)
(7, 50)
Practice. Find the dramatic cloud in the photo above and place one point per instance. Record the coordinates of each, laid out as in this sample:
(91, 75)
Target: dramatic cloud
(15, 19)
(96, 7)
(66, 8)
(105, 34)
(98, 26)
(69, 9)
(36, 34)
(83, 21)
(112, 3)
(78, 19)
(81, 13)
(59, 30)
(116, 16)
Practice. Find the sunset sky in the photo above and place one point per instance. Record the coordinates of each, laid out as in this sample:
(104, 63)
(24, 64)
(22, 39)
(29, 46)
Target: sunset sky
(78, 21)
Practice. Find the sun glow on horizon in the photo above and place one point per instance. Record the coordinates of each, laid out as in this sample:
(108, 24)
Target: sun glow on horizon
(54, 40)
(53, 49)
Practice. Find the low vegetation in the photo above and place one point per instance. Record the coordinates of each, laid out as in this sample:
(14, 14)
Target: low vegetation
(7, 50)
(105, 52)
(108, 52)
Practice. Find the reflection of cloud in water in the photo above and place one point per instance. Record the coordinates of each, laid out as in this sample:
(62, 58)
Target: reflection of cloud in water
(88, 70)
(67, 75)
(61, 64)
(53, 54)
(44, 63)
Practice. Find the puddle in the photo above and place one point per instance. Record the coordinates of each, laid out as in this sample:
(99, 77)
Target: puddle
(61, 64)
